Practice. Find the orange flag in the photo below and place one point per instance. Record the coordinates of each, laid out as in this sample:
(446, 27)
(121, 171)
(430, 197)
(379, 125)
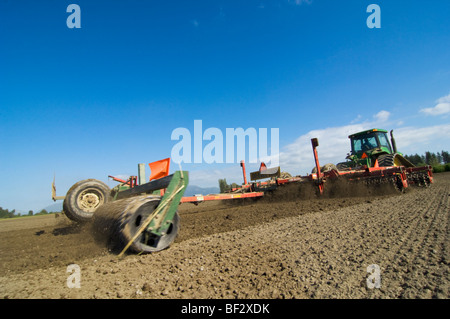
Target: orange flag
(262, 167)
(159, 169)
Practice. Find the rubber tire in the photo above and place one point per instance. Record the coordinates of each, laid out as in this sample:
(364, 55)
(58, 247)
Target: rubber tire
(386, 160)
(395, 159)
(130, 227)
(120, 220)
(71, 205)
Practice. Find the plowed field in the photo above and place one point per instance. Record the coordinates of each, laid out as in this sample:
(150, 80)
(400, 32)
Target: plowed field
(281, 246)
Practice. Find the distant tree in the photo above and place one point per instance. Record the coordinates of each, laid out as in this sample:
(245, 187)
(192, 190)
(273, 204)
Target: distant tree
(445, 157)
(440, 161)
(431, 158)
(42, 212)
(30, 213)
(416, 159)
(5, 213)
(439, 157)
(223, 186)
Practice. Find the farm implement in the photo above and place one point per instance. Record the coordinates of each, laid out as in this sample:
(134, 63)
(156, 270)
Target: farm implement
(143, 216)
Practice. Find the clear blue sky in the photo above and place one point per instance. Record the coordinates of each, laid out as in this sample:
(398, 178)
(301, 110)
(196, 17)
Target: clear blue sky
(95, 101)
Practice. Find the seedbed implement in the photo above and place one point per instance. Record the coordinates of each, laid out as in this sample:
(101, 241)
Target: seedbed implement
(142, 216)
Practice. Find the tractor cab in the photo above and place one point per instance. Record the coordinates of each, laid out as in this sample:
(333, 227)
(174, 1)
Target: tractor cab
(368, 145)
(374, 140)
(372, 148)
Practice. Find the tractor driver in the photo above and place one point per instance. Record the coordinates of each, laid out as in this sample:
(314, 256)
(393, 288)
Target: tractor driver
(367, 145)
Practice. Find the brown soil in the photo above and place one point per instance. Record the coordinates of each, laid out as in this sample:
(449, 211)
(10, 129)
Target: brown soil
(280, 246)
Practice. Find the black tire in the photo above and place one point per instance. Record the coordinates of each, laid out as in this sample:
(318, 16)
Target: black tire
(83, 199)
(386, 160)
(120, 220)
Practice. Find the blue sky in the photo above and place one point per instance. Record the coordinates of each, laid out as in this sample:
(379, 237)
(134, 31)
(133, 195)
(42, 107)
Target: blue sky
(95, 101)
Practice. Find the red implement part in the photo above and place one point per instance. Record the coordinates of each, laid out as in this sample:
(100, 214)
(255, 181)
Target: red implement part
(315, 143)
(243, 172)
(132, 181)
(201, 198)
(118, 179)
(420, 175)
(395, 173)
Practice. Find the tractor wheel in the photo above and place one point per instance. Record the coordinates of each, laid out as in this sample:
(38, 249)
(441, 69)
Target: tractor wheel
(83, 199)
(387, 160)
(119, 221)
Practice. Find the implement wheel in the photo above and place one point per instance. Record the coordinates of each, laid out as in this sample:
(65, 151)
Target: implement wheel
(119, 221)
(83, 199)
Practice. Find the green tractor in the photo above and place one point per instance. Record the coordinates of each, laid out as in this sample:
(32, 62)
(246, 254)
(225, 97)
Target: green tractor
(372, 148)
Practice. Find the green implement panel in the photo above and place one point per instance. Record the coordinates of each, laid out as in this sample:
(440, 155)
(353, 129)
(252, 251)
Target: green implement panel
(168, 205)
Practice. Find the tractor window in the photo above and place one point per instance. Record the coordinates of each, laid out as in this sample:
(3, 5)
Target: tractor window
(364, 143)
(384, 141)
(356, 145)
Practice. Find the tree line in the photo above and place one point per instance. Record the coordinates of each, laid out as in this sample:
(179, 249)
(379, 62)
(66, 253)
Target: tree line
(440, 161)
(6, 213)
(225, 187)
(433, 159)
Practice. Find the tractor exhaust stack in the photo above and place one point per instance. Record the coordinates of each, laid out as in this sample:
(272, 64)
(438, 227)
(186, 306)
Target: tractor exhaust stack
(394, 145)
